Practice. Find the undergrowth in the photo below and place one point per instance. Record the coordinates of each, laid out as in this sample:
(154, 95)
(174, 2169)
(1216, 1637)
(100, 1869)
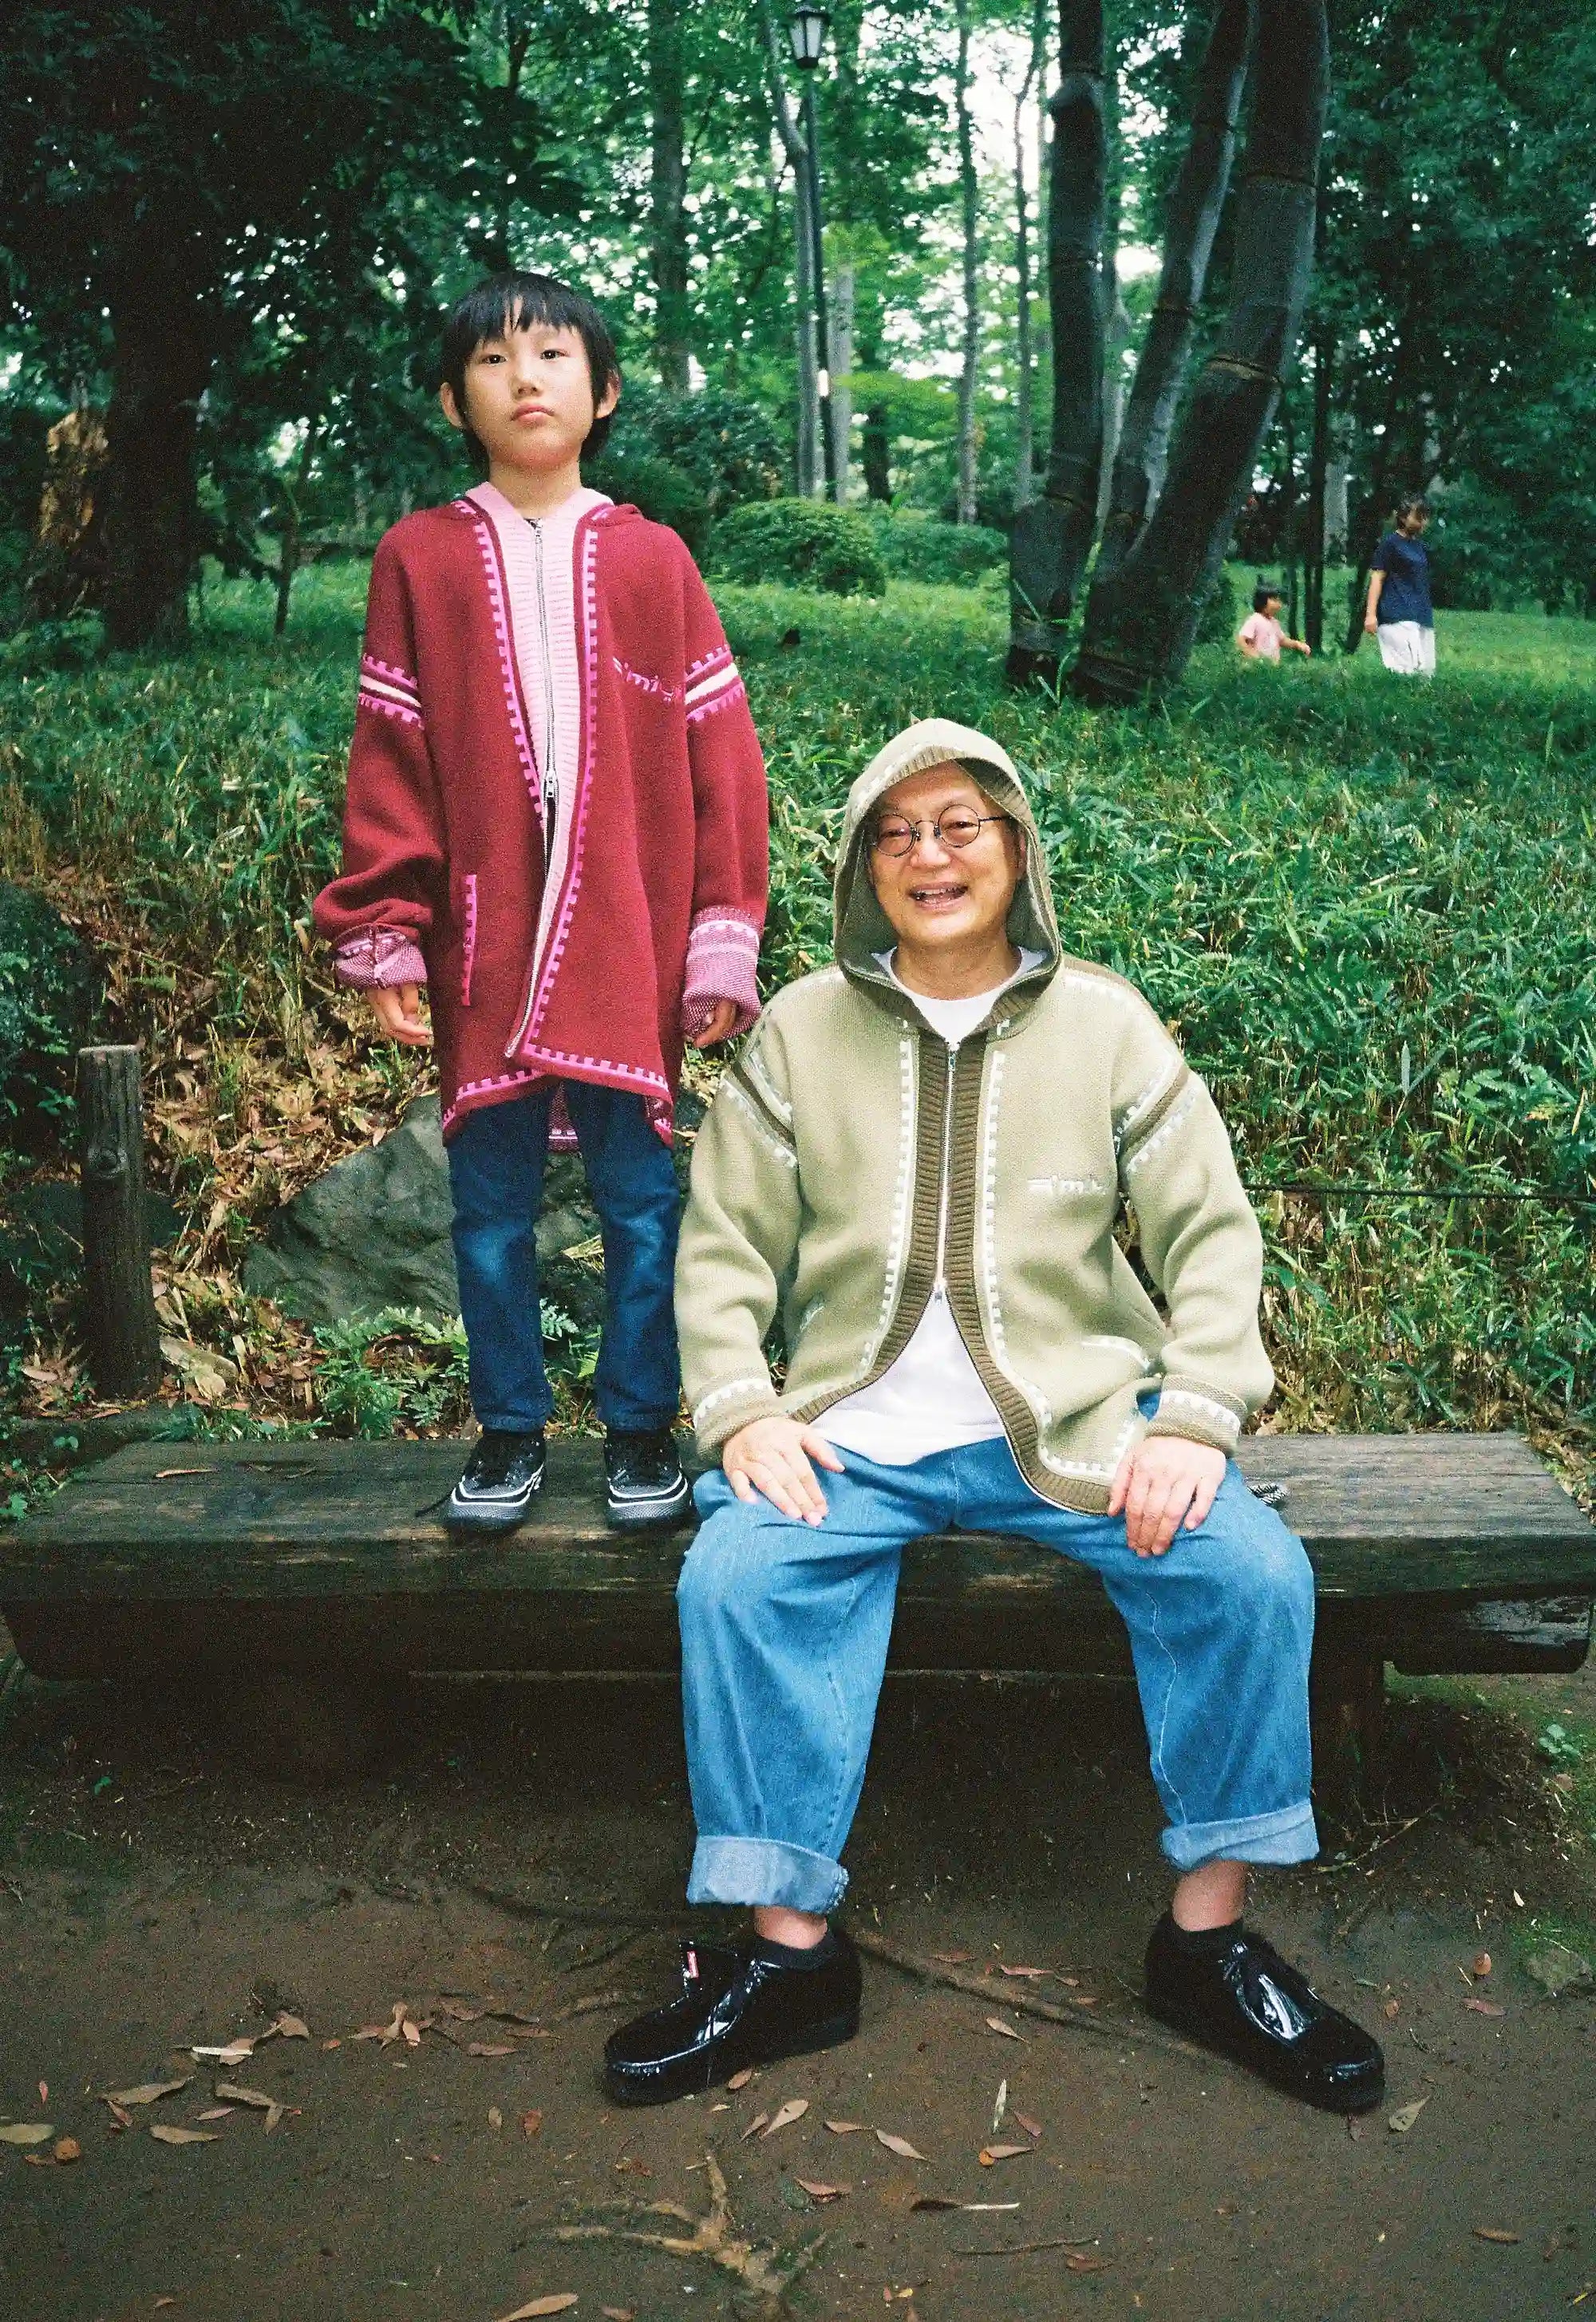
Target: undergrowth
(1364, 904)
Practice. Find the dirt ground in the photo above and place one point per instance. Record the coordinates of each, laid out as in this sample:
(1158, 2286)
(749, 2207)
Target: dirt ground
(157, 1890)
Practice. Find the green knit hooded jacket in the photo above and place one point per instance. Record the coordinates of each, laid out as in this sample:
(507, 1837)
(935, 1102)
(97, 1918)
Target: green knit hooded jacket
(851, 1155)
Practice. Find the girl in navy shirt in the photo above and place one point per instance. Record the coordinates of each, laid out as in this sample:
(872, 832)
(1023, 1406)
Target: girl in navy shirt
(1398, 612)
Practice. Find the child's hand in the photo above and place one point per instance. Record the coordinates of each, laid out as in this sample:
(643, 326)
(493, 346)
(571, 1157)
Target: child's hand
(396, 1011)
(1371, 625)
(718, 1027)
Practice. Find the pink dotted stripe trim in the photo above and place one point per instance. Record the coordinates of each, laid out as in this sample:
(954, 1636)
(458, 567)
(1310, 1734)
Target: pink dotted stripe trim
(470, 952)
(488, 543)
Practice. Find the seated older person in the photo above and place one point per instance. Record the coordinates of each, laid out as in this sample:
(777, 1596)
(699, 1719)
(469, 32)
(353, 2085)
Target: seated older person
(919, 1158)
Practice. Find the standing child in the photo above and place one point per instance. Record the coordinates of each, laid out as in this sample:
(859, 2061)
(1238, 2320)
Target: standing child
(1398, 613)
(1262, 634)
(556, 821)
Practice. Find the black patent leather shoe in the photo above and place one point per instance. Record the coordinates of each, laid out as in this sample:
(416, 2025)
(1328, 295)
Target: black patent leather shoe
(1250, 2004)
(645, 1487)
(503, 1476)
(736, 2009)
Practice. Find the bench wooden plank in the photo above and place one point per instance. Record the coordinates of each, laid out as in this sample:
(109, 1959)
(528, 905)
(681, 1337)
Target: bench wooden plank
(1381, 1517)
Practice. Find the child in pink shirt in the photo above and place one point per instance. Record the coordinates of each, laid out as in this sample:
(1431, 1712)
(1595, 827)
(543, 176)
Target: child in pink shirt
(1261, 635)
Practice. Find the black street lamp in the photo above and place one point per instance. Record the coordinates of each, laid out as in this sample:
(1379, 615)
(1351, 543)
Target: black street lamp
(806, 32)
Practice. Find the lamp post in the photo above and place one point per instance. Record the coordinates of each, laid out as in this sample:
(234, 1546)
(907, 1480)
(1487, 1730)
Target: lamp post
(806, 32)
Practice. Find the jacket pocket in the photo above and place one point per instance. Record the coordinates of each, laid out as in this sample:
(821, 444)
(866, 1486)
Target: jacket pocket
(468, 938)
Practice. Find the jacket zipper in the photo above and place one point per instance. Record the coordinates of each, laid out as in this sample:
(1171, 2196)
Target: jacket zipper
(939, 1286)
(550, 773)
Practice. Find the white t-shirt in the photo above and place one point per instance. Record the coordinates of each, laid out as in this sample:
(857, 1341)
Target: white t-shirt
(931, 1399)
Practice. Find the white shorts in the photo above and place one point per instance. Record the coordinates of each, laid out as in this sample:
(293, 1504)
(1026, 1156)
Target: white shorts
(1404, 645)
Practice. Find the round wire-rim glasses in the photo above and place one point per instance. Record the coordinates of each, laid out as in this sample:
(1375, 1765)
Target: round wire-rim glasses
(956, 827)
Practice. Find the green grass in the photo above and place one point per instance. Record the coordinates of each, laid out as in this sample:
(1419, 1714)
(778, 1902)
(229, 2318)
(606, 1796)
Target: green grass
(1365, 904)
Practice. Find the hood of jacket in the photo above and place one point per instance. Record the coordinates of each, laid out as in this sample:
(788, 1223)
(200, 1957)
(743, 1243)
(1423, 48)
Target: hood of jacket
(861, 927)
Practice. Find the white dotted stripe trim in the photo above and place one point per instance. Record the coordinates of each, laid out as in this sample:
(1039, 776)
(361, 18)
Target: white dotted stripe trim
(1218, 1415)
(1090, 1470)
(712, 707)
(761, 1128)
(403, 678)
(715, 654)
(389, 691)
(737, 933)
(754, 1066)
(1140, 1356)
(730, 1393)
(1172, 1122)
(996, 1335)
(1141, 1105)
(379, 708)
(702, 688)
(1064, 1186)
(898, 1247)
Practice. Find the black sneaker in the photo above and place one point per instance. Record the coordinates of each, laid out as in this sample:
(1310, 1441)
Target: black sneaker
(503, 1476)
(736, 2008)
(647, 1488)
(1249, 2004)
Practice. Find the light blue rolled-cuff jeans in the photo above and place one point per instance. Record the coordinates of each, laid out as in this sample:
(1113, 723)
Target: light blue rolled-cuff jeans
(785, 1630)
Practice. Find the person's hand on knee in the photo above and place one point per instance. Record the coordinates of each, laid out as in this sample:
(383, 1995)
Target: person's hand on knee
(772, 1456)
(1168, 1481)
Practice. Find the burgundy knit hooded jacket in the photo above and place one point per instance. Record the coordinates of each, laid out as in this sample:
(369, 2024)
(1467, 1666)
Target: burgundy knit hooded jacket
(567, 952)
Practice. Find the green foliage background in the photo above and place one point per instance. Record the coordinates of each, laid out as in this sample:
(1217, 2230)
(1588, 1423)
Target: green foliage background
(1364, 905)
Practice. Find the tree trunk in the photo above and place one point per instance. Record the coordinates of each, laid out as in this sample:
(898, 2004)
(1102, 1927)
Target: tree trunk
(1289, 521)
(808, 463)
(667, 189)
(1374, 501)
(1191, 219)
(876, 436)
(840, 334)
(1118, 318)
(969, 223)
(1318, 467)
(1052, 537)
(1025, 384)
(162, 363)
(1142, 620)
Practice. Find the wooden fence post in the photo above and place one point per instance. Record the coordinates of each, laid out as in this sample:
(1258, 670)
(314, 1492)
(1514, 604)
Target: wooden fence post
(123, 1333)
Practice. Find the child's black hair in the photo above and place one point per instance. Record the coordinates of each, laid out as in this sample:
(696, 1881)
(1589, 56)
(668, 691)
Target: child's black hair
(1411, 504)
(1263, 592)
(509, 302)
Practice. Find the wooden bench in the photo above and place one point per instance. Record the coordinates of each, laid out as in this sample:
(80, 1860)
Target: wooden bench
(1436, 1552)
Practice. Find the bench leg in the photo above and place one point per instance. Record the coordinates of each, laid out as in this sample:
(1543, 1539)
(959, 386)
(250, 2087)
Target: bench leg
(1347, 1697)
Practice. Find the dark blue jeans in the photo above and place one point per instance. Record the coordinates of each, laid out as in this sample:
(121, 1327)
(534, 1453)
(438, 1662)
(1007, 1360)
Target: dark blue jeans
(496, 1162)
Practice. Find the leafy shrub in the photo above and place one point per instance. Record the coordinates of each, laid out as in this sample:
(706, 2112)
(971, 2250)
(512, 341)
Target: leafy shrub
(376, 1372)
(72, 643)
(810, 543)
(659, 488)
(50, 993)
(727, 445)
(1222, 615)
(924, 548)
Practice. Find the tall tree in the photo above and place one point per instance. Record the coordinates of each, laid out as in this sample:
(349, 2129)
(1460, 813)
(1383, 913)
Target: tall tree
(1052, 537)
(1142, 618)
(1191, 219)
(970, 218)
(188, 172)
(1024, 354)
(667, 185)
(810, 462)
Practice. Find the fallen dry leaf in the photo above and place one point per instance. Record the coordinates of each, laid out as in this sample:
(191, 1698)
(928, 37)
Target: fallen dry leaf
(386, 2033)
(898, 2144)
(1002, 1970)
(629, 2166)
(274, 2113)
(1392, 2010)
(845, 2127)
(164, 2302)
(163, 1475)
(740, 2079)
(531, 2122)
(485, 2047)
(217, 2112)
(148, 2091)
(1493, 2234)
(328, 2045)
(1486, 2006)
(1403, 2118)
(412, 2031)
(1482, 1964)
(991, 2152)
(934, 2201)
(556, 2302)
(66, 2148)
(785, 2115)
(996, 2024)
(1030, 2128)
(119, 2117)
(953, 1959)
(822, 2192)
(236, 2052)
(293, 2027)
(495, 2117)
(619, 2313)
(754, 2126)
(165, 2136)
(230, 2092)
(1078, 2263)
(27, 2132)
